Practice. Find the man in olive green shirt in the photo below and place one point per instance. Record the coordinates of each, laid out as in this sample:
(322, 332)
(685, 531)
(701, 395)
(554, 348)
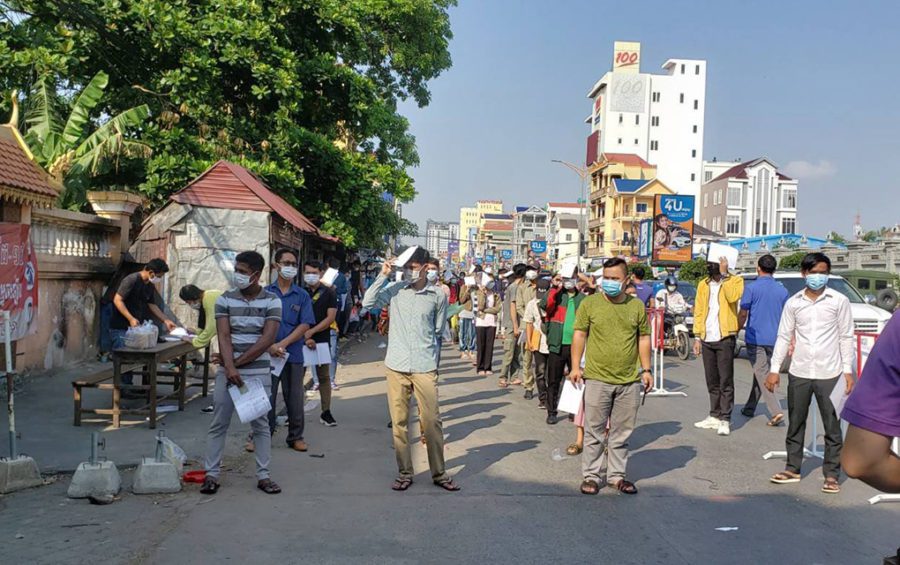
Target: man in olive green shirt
(614, 327)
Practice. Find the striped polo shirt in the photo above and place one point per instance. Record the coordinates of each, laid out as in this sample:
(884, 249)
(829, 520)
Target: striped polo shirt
(247, 318)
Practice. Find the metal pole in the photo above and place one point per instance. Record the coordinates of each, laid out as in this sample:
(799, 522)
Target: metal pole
(10, 394)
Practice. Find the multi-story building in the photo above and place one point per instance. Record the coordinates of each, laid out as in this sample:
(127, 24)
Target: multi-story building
(659, 118)
(438, 236)
(530, 224)
(472, 217)
(495, 236)
(562, 237)
(748, 199)
(606, 229)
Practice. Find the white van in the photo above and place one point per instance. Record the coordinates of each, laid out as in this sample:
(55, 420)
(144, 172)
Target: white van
(866, 317)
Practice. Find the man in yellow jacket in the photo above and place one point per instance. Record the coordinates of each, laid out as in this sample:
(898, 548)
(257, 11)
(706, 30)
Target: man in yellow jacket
(716, 328)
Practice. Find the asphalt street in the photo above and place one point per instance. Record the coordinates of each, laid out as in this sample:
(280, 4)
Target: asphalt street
(517, 505)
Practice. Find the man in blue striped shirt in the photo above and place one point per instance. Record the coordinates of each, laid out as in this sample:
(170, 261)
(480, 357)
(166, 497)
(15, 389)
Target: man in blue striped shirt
(247, 321)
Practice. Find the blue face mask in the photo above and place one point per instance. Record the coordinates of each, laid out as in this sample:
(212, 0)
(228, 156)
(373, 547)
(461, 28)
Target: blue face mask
(816, 281)
(611, 288)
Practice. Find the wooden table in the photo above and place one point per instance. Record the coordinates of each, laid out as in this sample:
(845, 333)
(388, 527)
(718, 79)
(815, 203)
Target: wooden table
(177, 352)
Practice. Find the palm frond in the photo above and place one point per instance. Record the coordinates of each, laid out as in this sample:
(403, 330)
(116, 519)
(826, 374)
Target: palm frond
(86, 101)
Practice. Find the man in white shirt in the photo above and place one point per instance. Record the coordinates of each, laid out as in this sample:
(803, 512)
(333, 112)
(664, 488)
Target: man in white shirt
(536, 340)
(819, 321)
(669, 298)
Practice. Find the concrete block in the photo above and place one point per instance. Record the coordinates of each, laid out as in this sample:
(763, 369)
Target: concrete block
(95, 480)
(155, 477)
(19, 473)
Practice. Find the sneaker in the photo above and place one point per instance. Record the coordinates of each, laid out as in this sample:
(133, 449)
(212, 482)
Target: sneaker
(552, 419)
(315, 387)
(327, 419)
(529, 394)
(709, 423)
(724, 428)
(334, 386)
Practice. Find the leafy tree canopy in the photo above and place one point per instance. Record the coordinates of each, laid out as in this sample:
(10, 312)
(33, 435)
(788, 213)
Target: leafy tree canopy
(693, 270)
(302, 92)
(792, 262)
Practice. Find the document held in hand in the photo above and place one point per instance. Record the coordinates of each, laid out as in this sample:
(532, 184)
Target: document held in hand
(570, 397)
(250, 400)
(278, 364)
(321, 355)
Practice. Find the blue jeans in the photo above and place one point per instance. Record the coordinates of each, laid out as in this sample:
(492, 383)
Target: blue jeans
(467, 334)
(117, 337)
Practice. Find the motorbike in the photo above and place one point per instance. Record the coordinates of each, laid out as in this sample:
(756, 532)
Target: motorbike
(677, 334)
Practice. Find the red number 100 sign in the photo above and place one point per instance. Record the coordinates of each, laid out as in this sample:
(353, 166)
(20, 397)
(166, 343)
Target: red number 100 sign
(624, 58)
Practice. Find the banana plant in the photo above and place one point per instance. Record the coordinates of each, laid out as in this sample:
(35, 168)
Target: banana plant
(75, 148)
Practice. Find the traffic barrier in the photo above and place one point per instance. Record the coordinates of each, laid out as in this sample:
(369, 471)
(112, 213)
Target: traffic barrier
(656, 319)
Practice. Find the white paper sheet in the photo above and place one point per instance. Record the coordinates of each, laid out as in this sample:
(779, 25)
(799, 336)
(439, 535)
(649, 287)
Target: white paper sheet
(570, 397)
(321, 355)
(250, 401)
(470, 281)
(522, 337)
(278, 364)
(717, 251)
(568, 269)
(404, 257)
(329, 276)
(839, 395)
(178, 332)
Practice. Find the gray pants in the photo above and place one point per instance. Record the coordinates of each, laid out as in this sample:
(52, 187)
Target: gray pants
(291, 380)
(620, 404)
(215, 438)
(761, 358)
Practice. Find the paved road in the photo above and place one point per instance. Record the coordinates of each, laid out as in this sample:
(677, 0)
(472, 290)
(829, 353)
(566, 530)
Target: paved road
(517, 505)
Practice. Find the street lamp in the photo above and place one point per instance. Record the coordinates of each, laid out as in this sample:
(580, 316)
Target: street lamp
(582, 174)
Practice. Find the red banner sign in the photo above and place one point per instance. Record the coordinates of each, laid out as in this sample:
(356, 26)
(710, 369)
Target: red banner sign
(18, 280)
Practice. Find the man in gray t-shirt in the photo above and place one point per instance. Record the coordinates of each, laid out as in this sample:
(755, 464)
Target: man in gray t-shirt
(512, 351)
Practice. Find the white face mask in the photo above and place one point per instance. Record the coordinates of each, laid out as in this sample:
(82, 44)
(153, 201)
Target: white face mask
(312, 279)
(155, 280)
(241, 281)
(569, 284)
(289, 273)
(432, 276)
(411, 276)
(195, 305)
(531, 275)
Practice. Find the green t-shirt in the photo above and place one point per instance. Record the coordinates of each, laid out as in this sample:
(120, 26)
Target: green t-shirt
(569, 324)
(612, 342)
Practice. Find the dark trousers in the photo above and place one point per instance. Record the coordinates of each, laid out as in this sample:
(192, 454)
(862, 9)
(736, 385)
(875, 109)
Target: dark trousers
(557, 363)
(540, 374)
(291, 380)
(718, 364)
(800, 393)
(484, 343)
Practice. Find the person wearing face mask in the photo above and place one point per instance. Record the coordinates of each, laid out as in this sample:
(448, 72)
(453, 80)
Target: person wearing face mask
(418, 313)
(488, 305)
(512, 350)
(297, 318)
(432, 275)
(526, 292)
(819, 322)
(247, 320)
(716, 328)
(536, 341)
(612, 332)
(467, 341)
(325, 309)
(561, 305)
(204, 302)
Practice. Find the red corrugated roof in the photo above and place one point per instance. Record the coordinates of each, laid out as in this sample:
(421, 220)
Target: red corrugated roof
(230, 186)
(629, 159)
(498, 226)
(20, 174)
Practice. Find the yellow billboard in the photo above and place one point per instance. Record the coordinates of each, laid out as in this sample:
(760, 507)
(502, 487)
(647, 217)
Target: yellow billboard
(627, 57)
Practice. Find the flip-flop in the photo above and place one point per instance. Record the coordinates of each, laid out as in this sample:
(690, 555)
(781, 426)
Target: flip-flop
(401, 484)
(210, 486)
(626, 487)
(785, 477)
(589, 487)
(448, 485)
(574, 449)
(775, 420)
(831, 486)
(268, 486)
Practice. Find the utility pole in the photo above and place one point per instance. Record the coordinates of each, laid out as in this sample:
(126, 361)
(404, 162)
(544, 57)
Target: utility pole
(582, 224)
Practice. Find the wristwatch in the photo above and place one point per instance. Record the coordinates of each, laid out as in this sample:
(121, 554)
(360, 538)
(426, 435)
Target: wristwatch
(646, 371)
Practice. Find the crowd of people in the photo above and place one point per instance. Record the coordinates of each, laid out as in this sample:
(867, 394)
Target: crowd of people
(590, 329)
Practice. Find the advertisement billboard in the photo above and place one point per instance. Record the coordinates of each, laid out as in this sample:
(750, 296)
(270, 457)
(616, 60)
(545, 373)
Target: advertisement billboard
(645, 239)
(673, 228)
(506, 254)
(538, 246)
(453, 248)
(18, 280)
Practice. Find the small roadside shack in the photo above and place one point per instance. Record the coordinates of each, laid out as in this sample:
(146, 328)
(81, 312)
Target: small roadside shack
(225, 210)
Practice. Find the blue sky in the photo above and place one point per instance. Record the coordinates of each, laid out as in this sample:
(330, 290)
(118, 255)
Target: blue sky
(811, 85)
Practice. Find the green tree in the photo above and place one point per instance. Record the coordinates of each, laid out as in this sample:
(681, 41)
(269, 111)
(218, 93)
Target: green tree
(792, 262)
(835, 237)
(693, 270)
(68, 147)
(305, 93)
(871, 236)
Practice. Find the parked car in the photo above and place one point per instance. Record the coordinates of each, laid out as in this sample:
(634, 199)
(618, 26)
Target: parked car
(866, 317)
(878, 287)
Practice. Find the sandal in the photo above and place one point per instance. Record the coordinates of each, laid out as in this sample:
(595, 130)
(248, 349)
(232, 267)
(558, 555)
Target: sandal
(401, 484)
(626, 487)
(785, 477)
(516, 382)
(831, 486)
(775, 420)
(448, 485)
(210, 486)
(589, 486)
(574, 449)
(268, 486)
(503, 383)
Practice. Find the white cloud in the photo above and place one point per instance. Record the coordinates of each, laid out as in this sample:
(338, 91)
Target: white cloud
(807, 170)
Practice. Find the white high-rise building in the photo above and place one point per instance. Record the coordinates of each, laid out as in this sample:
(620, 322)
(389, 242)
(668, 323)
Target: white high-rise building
(438, 236)
(657, 117)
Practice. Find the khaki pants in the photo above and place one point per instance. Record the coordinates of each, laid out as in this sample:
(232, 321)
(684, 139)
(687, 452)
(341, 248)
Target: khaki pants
(400, 387)
(527, 368)
(605, 458)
